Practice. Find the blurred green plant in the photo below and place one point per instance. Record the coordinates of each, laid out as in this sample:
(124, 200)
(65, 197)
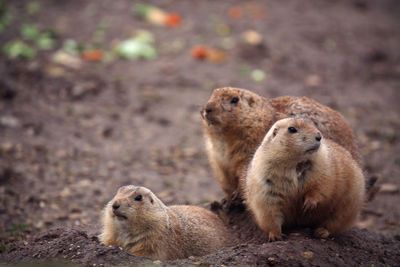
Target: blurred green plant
(4, 246)
(138, 47)
(258, 75)
(30, 31)
(19, 227)
(6, 16)
(244, 70)
(46, 41)
(18, 49)
(100, 33)
(72, 47)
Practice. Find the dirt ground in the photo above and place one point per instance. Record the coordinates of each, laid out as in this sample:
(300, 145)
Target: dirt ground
(69, 137)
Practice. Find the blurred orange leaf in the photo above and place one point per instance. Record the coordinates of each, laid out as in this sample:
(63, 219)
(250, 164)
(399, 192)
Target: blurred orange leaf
(92, 55)
(203, 52)
(173, 20)
(199, 52)
(235, 12)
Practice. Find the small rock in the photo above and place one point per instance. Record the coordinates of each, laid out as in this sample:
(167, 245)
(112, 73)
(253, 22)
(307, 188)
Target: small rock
(7, 147)
(365, 223)
(157, 262)
(111, 165)
(295, 234)
(55, 71)
(66, 192)
(313, 80)
(9, 121)
(81, 89)
(61, 154)
(252, 37)
(375, 145)
(389, 188)
(271, 259)
(84, 183)
(68, 60)
(308, 255)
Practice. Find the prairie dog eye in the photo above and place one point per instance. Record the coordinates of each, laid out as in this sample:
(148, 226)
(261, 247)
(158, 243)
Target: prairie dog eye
(138, 198)
(292, 130)
(235, 100)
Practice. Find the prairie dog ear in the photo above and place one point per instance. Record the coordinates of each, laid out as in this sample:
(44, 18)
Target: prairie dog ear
(270, 135)
(251, 101)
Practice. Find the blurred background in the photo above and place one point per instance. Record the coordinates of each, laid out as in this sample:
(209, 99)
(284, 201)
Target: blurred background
(99, 94)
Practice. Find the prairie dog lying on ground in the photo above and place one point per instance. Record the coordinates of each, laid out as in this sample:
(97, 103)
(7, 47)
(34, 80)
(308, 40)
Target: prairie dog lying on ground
(139, 222)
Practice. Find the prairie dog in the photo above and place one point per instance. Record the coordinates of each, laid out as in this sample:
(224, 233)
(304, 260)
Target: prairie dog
(236, 120)
(139, 222)
(297, 177)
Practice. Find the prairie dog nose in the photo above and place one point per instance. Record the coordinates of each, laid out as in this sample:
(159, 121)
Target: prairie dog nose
(116, 205)
(318, 137)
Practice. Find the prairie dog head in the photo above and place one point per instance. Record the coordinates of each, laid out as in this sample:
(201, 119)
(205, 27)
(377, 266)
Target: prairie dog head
(292, 139)
(136, 208)
(231, 109)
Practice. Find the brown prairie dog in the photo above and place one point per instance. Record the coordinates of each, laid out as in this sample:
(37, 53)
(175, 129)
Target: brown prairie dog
(296, 177)
(139, 222)
(236, 120)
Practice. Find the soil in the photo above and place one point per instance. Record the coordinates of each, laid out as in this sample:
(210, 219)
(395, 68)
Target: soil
(70, 137)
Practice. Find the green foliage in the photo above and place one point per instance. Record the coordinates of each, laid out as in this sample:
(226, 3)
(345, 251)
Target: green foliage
(100, 33)
(72, 47)
(141, 9)
(6, 16)
(18, 49)
(30, 31)
(20, 227)
(138, 47)
(4, 246)
(45, 41)
(135, 49)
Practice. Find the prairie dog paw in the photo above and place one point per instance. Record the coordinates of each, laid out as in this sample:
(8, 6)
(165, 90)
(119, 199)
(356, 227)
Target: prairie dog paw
(309, 204)
(274, 236)
(321, 232)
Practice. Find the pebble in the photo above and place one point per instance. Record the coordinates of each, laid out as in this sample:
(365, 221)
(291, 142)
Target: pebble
(389, 188)
(9, 121)
(308, 255)
(252, 37)
(313, 80)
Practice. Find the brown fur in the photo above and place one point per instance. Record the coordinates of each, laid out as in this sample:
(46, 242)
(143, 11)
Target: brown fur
(151, 229)
(234, 130)
(295, 179)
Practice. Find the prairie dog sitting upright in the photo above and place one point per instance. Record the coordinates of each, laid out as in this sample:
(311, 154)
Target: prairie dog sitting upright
(236, 120)
(297, 177)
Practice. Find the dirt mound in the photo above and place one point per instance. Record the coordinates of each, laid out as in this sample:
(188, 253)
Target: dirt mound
(81, 246)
